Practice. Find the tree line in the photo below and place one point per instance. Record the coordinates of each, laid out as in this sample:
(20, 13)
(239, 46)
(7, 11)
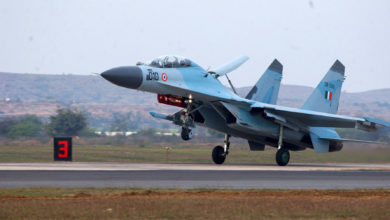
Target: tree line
(66, 122)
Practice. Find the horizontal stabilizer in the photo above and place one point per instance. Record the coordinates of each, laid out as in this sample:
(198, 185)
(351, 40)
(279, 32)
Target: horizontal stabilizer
(228, 67)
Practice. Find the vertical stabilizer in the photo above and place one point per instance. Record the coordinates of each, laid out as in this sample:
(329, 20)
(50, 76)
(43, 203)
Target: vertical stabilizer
(326, 96)
(267, 88)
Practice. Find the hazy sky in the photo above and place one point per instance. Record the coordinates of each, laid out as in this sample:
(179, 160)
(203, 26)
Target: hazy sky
(81, 37)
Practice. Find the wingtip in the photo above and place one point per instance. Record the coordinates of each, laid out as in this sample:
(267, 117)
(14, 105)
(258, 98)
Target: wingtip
(338, 67)
(276, 66)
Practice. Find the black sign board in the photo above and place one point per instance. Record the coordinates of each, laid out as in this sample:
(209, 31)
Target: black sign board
(63, 149)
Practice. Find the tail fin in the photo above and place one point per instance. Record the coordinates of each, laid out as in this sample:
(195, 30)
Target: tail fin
(325, 98)
(267, 88)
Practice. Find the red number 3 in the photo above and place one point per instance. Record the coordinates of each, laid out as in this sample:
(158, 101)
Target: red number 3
(64, 149)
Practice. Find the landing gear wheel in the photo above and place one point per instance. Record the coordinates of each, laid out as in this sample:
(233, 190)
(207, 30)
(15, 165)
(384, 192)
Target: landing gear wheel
(218, 155)
(282, 157)
(186, 133)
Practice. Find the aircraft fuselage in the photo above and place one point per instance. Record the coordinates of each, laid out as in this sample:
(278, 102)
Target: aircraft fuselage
(194, 82)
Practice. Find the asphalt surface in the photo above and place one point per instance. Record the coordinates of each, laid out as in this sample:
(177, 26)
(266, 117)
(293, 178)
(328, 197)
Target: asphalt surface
(189, 176)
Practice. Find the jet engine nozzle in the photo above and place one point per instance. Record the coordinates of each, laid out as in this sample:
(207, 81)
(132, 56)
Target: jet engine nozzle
(125, 76)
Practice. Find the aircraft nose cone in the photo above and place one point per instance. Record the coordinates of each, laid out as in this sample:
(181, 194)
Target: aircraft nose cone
(125, 76)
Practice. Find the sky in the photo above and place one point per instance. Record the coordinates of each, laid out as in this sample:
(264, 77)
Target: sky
(306, 36)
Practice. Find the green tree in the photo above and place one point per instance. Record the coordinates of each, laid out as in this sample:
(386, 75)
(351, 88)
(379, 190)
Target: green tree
(6, 124)
(67, 122)
(124, 122)
(120, 123)
(26, 126)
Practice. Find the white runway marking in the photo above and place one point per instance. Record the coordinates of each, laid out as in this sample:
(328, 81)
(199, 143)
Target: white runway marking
(89, 166)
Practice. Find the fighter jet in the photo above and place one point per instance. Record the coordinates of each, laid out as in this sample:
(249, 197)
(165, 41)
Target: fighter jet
(205, 101)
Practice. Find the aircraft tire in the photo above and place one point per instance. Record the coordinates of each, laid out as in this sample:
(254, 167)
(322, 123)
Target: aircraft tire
(218, 155)
(186, 133)
(282, 157)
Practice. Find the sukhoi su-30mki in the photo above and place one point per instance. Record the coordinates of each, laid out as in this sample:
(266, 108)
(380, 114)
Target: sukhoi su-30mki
(181, 82)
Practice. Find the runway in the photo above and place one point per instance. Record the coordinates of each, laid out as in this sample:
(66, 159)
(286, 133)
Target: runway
(189, 176)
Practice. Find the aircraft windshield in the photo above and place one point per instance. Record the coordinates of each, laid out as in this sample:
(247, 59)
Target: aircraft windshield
(170, 62)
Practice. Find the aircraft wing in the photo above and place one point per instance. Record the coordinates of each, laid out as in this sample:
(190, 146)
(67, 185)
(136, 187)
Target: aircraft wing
(307, 118)
(351, 140)
(230, 66)
(290, 117)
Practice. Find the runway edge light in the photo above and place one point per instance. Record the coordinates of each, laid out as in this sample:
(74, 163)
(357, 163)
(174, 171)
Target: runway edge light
(62, 149)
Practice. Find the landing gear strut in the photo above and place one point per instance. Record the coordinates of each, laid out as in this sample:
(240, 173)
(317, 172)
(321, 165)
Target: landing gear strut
(219, 153)
(282, 155)
(187, 121)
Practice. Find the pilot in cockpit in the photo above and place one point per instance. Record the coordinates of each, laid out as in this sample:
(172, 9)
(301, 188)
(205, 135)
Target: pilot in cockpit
(169, 62)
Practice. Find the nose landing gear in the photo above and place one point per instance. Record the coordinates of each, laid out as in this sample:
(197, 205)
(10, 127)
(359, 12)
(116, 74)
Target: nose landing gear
(186, 133)
(187, 121)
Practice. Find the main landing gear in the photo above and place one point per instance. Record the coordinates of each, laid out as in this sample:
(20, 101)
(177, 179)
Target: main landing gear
(282, 155)
(219, 153)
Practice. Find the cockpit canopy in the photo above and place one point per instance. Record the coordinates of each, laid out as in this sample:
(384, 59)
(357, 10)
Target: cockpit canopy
(170, 62)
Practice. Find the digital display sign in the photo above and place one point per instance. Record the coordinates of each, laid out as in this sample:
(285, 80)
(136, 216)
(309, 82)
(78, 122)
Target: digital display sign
(63, 149)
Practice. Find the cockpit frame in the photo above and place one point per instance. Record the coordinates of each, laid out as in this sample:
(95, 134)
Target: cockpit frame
(170, 61)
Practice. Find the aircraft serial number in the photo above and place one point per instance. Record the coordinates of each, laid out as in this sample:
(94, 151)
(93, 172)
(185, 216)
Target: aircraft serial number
(152, 75)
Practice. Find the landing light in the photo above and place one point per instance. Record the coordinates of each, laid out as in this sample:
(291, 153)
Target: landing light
(190, 98)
